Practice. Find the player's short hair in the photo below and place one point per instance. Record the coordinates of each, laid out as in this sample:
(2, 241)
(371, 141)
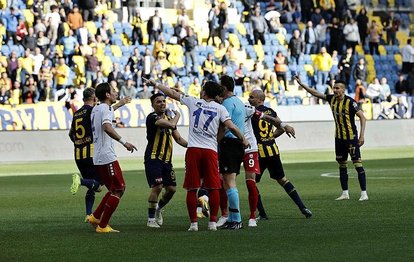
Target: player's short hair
(340, 82)
(152, 98)
(101, 91)
(88, 93)
(227, 82)
(213, 89)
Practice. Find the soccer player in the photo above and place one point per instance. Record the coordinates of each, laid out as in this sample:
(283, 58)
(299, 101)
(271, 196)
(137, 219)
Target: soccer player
(269, 157)
(104, 157)
(344, 109)
(161, 128)
(201, 159)
(231, 152)
(251, 161)
(81, 135)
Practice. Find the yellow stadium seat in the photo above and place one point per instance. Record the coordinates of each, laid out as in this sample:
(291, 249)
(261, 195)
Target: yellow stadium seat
(309, 69)
(359, 50)
(59, 50)
(281, 38)
(381, 50)
(259, 52)
(234, 40)
(241, 29)
(248, 63)
(369, 58)
(79, 62)
(29, 17)
(106, 66)
(91, 27)
(116, 51)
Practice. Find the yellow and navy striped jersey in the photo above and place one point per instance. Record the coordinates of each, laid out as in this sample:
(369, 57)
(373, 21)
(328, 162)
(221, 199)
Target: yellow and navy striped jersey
(159, 139)
(263, 131)
(344, 115)
(81, 133)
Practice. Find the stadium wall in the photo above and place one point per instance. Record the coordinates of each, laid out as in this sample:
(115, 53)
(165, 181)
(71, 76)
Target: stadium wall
(23, 146)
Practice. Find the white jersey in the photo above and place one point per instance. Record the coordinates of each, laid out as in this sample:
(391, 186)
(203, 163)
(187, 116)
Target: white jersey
(248, 128)
(103, 144)
(205, 119)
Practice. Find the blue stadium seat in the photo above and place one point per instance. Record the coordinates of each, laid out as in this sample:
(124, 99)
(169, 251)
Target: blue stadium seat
(5, 50)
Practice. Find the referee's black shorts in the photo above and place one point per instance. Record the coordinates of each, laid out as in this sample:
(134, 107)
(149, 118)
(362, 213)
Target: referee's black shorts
(231, 152)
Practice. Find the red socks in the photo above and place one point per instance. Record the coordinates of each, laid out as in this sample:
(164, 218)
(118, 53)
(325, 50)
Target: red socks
(253, 197)
(192, 201)
(110, 207)
(214, 202)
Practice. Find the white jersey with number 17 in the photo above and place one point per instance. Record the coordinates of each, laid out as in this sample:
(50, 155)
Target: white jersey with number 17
(205, 119)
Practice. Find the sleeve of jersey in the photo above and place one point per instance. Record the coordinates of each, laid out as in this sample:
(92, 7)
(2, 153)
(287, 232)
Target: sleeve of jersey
(186, 99)
(355, 108)
(329, 98)
(107, 116)
(224, 114)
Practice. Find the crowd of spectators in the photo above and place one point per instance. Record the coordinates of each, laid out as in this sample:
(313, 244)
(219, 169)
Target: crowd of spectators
(52, 50)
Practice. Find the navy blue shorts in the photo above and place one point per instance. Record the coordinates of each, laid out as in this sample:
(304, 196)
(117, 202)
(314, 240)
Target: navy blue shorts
(345, 147)
(159, 173)
(274, 165)
(88, 169)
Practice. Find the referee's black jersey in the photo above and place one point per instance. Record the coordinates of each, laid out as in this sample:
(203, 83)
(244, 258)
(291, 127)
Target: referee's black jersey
(344, 115)
(81, 133)
(159, 140)
(263, 131)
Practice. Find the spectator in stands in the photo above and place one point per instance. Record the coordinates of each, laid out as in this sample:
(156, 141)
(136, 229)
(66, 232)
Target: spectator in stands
(374, 91)
(239, 74)
(335, 65)
(400, 108)
(105, 31)
(374, 38)
(160, 46)
(88, 7)
(53, 19)
(276, 27)
(116, 7)
(337, 37)
(128, 89)
(221, 55)
(91, 66)
(362, 22)
(19, 74)
(407, 54)
(223, 21)
(12, 62)
(39, 27)
(286, 14)
(183, 18)
(321, 31)
(323, 65)
(70, 46)
(61, 74)
(310, 37)
(256, 73)
(75, 20)
(37, 10)
(213, 23)
(296, 46)
(82, 35)
(131, 7)
(391, 24)
(385, 90)
(15, 93)
(145, 93)
(100, 78)
(360, 92)
(5, 81)
(27, 61)
(43, 43)
(316, 16)
(281, 67)
(37, 58)
(154, 27)
(30, 92)
(190, 43)
(21, 31)
(345, 66)
(209, 68)
(180, 32)
(116, 75)
(101, 10)
(11, 21)
(135, 62)
(351, 33)
(306, 8)
(259, 26)
(360, 71)
(401, 86)
(127, 73)
(137, 23)
(147, 64)
(195, 88)
(4, 96)
(30, 40)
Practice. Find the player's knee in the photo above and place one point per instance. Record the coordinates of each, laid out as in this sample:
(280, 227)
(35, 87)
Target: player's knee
(282, 181)
(342, 164)
(171, 190)
(118, 191)
(357, 163)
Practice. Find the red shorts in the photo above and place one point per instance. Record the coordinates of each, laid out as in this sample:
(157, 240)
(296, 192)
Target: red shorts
(251, 163)
(111, 176)
(201, 164)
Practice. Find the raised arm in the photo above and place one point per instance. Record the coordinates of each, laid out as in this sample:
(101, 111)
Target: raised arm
(312, 91)
(171, 124)
(122, 102)
(362, 121)
(166, 90)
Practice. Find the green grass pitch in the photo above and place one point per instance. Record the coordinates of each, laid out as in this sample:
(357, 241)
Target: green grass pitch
(42, 221)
